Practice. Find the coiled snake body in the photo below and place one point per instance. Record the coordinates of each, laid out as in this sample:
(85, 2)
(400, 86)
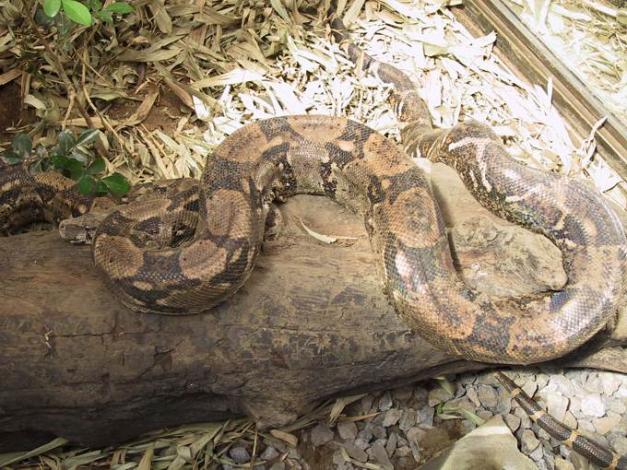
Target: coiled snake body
(184, 252)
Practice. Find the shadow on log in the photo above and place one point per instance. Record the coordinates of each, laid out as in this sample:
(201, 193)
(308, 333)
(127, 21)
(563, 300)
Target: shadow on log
(312, 322)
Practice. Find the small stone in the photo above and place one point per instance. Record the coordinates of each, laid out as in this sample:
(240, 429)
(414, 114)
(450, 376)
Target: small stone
(525, 421)
(408, 419)
(338, 458)
(390, 446)
(585, 425)
(414, 435)
(542, 380)
(609, 382)
(623, 422)
(617, 406)
(530, 388)
(561, 385)
(540, 433)
(425, 416)
(347, 430)
(620, 445)
(362, 443)
(366, 403)
(355, 452)
(380, 442)
(403, 393)
(537, 454)
(379, 431)
(467, 379)
(513, 422)
(473, 397)
(607, 423)
(484, 414)
(402, 451)
(556, 405)
(365, 433)
(529, 441)
(591, 405)
(593, 384)
(487, 396)
(239, 454)
(321, 434)
(421, 395)
(570, 420)
(504, 404)
(562, 464)
(385, 402)
(391, 417)
(269, 453)
(437, 396)
(488, 378)
(381, 456)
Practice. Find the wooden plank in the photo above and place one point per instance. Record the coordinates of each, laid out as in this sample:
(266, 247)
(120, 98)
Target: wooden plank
(519, 48)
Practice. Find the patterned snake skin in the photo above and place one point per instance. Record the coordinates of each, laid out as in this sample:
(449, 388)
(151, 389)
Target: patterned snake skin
(184, 251)
(590, 449)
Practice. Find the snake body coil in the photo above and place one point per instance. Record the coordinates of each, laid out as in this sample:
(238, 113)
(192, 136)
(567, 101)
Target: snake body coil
(183, 252)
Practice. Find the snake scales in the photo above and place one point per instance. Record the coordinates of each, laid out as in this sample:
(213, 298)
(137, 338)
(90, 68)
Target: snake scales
(183, 248)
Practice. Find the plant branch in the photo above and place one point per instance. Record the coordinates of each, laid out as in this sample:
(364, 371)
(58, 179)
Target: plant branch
(71, 87)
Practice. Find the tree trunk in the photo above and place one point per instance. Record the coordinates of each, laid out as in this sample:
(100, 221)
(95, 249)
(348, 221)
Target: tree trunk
(312, 322)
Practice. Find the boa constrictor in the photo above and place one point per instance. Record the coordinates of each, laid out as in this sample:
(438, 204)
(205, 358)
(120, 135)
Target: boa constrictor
(183, 251)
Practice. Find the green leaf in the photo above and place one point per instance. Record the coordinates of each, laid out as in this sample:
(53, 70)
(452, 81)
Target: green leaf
(11, 157)
(42, 19)
(83, 157)
(122, 8)
(77, 12)
(87, 185)
(52, 7)
(104, 16)
(59, 161)
(117, 184)
(87, 136)
(70, 167)
(98, 166)
(22, 145)
(101, 188)
(66, 142)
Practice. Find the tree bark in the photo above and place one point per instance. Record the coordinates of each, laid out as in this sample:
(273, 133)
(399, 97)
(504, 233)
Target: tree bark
(312, 322)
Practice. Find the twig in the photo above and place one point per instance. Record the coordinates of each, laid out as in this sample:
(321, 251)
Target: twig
(71, 88)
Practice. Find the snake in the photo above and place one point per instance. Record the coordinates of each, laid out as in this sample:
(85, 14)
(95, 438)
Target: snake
(184, 248)
(589, 448)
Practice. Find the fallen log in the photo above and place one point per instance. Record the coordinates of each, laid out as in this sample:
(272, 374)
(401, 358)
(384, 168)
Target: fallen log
(311, 323)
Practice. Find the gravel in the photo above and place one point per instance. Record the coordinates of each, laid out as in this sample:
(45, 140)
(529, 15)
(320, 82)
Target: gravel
(592, 405)
(407, 426)
(321, 434)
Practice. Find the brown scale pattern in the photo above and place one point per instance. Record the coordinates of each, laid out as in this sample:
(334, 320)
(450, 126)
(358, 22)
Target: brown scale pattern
(181, 249)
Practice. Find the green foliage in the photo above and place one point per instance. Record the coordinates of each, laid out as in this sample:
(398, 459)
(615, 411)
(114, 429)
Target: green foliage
(84, 13)
(73, 157)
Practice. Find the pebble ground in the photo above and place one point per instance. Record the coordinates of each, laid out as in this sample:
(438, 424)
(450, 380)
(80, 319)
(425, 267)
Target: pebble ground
(402, 428)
